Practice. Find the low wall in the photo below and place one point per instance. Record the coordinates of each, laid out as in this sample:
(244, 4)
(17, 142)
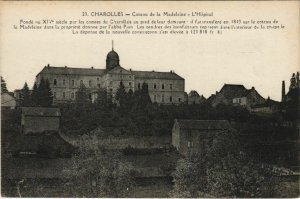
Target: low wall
(138, 142)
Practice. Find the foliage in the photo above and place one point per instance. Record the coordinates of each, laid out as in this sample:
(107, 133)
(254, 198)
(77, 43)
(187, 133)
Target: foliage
(82, 96)
(41, 94)
(222, 171)
(101, 173)
(3, 86)
(25, 98)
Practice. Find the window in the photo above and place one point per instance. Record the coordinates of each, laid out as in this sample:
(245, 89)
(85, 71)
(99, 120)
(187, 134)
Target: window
(73, 82)
(154, 86)
(139, 85)
(98, 85)
(81, 82)
(163, 98)
(162, 86)
(72, 95)
(90, 83)
(129, 76)
(171, 86)
(54, 95)
(155, 98)
(64, 82)
(179, 99)
(54, 81)
(64, 95)
(130, 84)
(98, 79)
(171, 99)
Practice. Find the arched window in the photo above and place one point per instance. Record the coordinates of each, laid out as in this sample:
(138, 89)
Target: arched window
(162, 86)
(139, 85)
(171, 99)
(154, 86)
(54, 81)
(64, 95)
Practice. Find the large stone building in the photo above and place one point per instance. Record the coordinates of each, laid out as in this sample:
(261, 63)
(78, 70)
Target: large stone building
(164, 87)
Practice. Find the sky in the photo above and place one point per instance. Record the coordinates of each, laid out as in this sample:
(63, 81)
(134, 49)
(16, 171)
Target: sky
(253, 58)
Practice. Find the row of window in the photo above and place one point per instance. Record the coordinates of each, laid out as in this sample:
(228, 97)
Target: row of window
(55, 82)
(63, 95)
(155, 86)
(163, 99)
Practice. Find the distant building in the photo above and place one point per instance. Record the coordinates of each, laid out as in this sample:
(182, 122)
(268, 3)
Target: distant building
(40, 120)
(195, 98)
(193, 136)
(237, 95)
(164, 87)
(8, 101)
(268, 107)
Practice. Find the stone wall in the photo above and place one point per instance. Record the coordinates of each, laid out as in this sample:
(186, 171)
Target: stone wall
(139, 142)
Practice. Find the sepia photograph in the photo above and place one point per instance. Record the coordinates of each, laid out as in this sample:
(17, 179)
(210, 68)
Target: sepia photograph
(150, 99)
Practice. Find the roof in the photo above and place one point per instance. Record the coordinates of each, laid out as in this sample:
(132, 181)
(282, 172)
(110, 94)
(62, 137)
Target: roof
(203, 124)
(156, 75)
(194, 93)
(231, 91)
(269, 102)
(71, 71)
(41, 111)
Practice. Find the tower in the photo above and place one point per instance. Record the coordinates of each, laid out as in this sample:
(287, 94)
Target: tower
(283, 91)
(112, 59)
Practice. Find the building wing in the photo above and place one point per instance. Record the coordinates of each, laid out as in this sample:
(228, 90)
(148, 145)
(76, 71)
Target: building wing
(71, 71)
(156, 75)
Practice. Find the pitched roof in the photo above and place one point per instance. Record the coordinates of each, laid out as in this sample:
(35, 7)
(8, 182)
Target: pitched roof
(203, 124)
(231, 91)
(71, 71)
(194, 93)
(268, 103)
(156, 75)
(41, 111)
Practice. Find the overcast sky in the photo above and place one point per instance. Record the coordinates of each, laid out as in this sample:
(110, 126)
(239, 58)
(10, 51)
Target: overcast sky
(253, 58)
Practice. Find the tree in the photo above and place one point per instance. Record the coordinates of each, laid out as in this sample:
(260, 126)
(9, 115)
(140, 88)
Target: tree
(101, 173)
(41, 94)
(223, 171)
(82, 95)
(102, 98)
(34, 95)
(121, 95)
(3, 86)
(25, 96)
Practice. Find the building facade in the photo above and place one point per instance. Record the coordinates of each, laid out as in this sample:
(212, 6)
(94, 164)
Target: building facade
(236, 94)
(194, 136)
(40, 120)
(164, 87)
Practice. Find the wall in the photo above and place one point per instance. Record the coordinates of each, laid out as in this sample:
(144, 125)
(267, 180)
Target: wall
(8, 101)
(33, 124)
(145, 142)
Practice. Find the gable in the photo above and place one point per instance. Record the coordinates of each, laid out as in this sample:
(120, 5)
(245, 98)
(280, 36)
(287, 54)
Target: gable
(119, 70)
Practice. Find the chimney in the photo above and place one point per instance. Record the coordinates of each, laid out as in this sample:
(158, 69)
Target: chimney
(253, 88)
(92, 67)
(48, 65)
(283, 91)
(66, 66)
(171, 71)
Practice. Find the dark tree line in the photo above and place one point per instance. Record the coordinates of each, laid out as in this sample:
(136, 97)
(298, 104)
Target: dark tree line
(3, 86)
(40, 95)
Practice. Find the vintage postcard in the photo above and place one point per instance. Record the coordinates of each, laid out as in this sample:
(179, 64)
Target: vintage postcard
(150, 99)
